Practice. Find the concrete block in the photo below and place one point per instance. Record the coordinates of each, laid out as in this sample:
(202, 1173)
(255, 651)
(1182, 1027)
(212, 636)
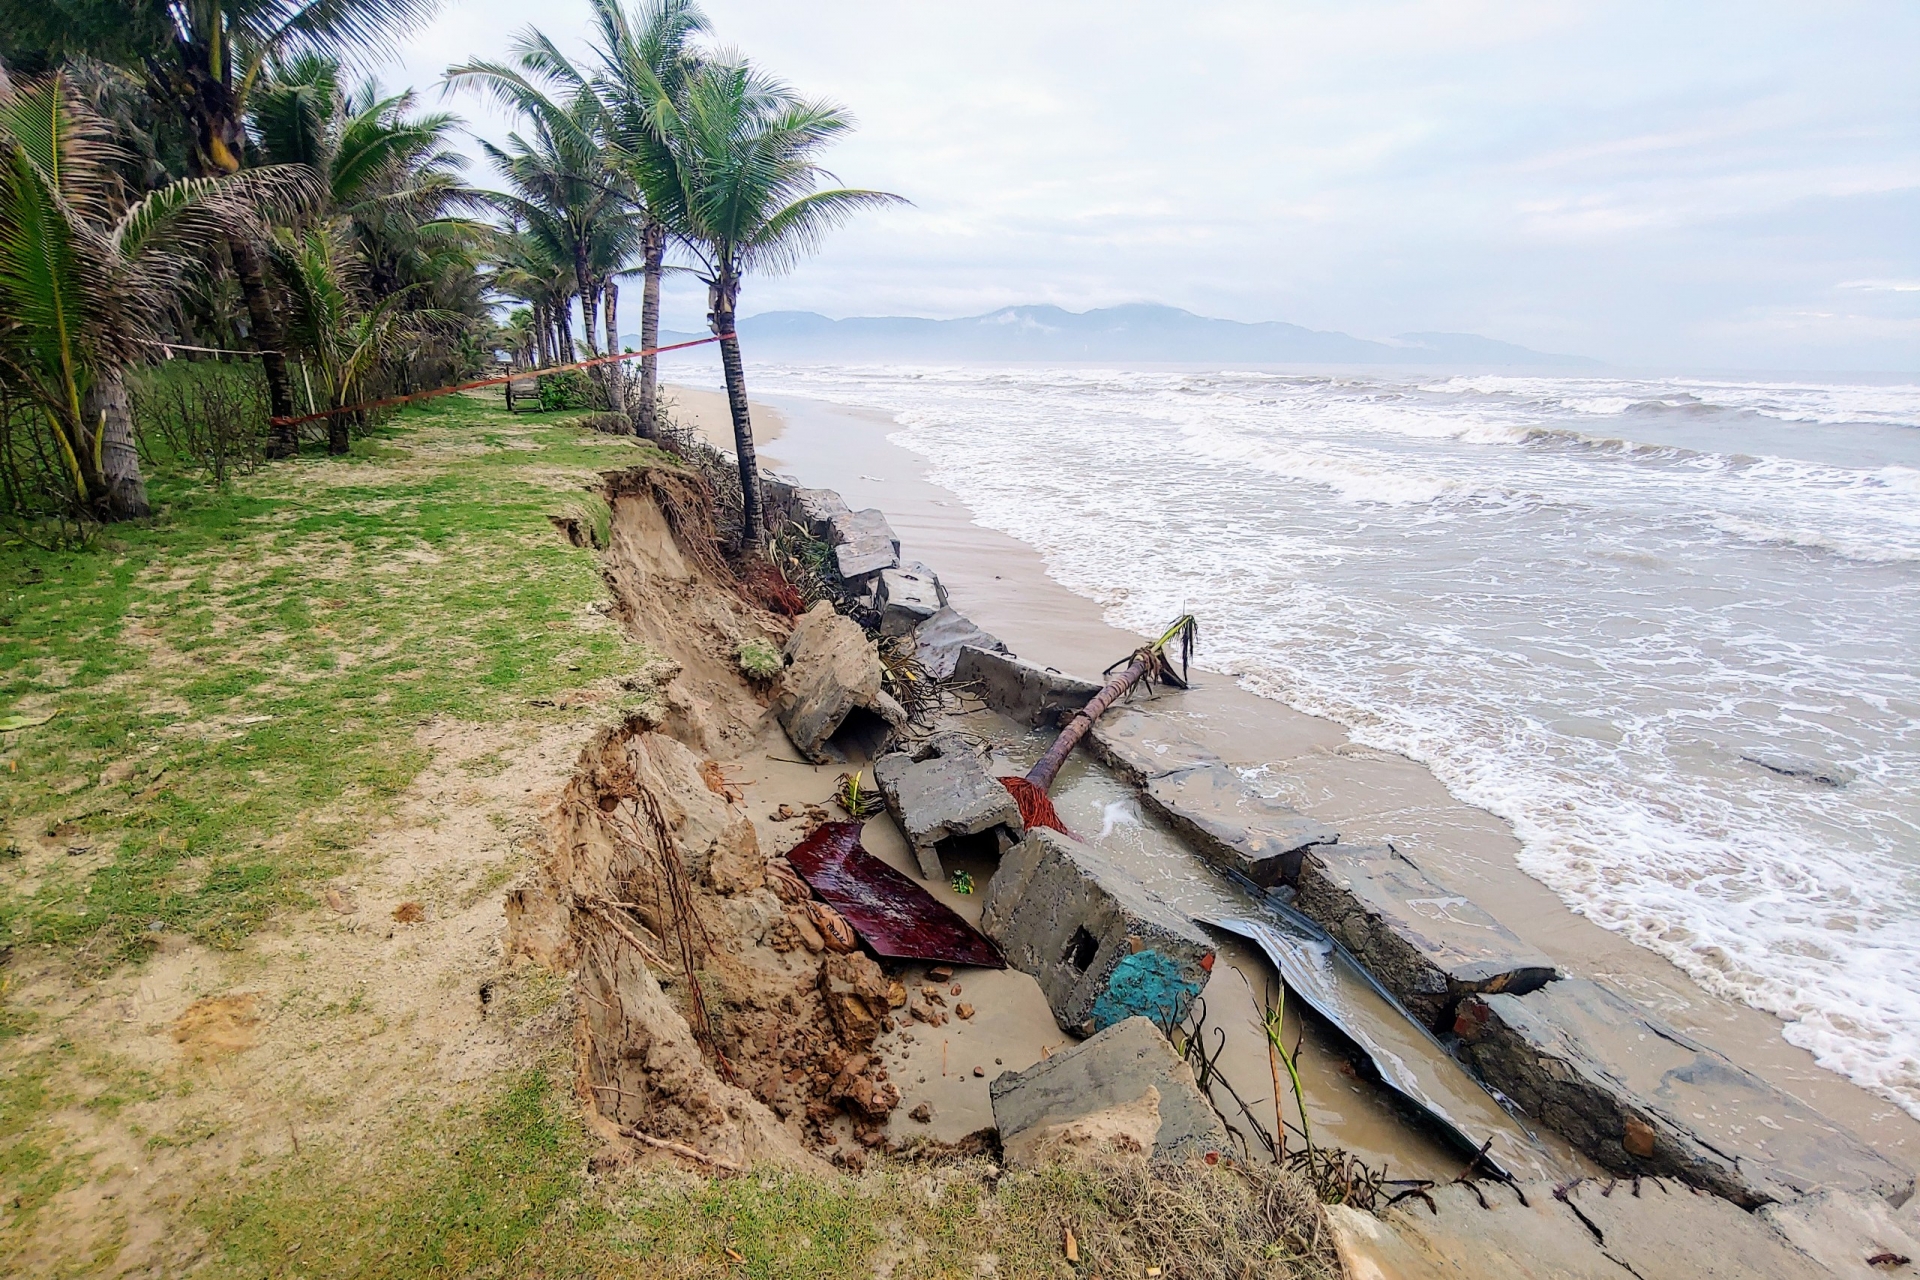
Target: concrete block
(1642, 1098)
(907, 597)
(946, 797)
(817, 511)
(1100, 944)
(1233, 825)
(1428, 945)
(1020, 690)
(864, 543)
(832, 675)
(1125, 1085)
(938, 640)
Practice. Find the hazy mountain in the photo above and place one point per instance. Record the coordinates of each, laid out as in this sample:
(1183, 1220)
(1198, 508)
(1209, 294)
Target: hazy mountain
(1140, 332)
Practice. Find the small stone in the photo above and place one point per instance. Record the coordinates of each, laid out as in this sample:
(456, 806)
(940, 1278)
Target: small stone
(980, 1071)
(941, 972)
(954, 990)
(1638, 1138)
(964, 1009)
(896, 995)
(923, 1113)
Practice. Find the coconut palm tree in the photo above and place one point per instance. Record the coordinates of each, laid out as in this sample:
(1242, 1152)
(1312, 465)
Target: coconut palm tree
(564, 190)
(644, 55)
(203, 58)
(738, 183)
(87, 276)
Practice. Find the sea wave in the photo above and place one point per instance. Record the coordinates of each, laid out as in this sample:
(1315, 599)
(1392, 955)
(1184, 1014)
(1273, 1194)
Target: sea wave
(1578, 600)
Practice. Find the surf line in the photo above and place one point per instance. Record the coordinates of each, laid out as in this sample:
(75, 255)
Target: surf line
(388, 402)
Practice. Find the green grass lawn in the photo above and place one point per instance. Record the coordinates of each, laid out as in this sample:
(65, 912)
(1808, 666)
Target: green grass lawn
(237, 683)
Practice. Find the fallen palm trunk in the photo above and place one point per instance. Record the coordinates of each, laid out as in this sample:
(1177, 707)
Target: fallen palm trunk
(1147, 663)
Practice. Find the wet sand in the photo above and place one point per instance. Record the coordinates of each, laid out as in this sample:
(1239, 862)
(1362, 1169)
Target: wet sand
(1367, 795)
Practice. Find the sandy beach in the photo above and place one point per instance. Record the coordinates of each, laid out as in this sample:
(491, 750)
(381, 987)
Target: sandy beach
(706, 413)
(1367, 794)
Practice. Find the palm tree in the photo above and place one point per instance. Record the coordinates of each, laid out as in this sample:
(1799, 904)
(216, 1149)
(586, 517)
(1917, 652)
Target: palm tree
(563, 190)
(392, 196)
(203, 58)
(642, 57)
(86, 278)
(328, 320)
(737, 183)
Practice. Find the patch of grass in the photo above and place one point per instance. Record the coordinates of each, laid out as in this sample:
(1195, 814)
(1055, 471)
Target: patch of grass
(505, 1190)
(249, 670)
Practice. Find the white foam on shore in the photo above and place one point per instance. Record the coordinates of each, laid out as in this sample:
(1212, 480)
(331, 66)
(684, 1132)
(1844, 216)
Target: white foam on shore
(1580, 631)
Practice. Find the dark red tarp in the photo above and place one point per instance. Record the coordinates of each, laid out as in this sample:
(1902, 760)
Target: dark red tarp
(892, 914)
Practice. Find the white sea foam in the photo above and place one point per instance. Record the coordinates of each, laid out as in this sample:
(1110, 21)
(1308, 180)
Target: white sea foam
(1581, 601)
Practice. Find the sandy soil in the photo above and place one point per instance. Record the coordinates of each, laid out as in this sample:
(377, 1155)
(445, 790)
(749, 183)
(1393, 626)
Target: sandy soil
(708, 414)
(1368, 795)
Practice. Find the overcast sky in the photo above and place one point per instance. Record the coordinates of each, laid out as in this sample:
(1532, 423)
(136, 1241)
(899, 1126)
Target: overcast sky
(1685, 185)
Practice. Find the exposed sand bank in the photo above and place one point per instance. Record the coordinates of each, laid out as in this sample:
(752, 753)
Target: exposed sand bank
(709, 417)
(1368, 795)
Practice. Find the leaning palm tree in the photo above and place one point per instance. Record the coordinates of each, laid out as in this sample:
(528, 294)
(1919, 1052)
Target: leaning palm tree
(87, 277)
(738, 184)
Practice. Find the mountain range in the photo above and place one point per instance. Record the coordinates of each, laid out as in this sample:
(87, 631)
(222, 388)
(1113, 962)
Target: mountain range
(1134, 333)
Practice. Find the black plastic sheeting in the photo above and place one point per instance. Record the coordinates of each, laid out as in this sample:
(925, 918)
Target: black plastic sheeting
(892, 914)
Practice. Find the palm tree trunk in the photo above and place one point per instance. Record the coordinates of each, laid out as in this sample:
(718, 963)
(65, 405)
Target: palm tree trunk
(722, 297)
(108, 411)
(339, 438)
(616, 376)
(656, 253)
(1044, 771)
(269, 341)
(563, 330)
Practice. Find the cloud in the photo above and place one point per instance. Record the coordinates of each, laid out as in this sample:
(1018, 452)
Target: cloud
(1625, 178)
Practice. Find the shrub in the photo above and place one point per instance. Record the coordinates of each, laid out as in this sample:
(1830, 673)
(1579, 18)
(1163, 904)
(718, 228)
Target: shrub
(568, 389)
(759, 660)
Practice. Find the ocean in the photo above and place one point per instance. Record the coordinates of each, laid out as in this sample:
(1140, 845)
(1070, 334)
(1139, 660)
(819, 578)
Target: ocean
(1586, 603)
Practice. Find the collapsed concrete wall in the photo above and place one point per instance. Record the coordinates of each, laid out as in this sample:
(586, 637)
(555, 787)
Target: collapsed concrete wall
(1101, 946)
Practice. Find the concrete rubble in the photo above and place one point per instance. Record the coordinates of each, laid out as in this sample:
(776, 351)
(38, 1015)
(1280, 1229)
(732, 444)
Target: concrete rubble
(1234, 825)
(1123, 1088)
(1102, 947)
(946, 794)
(832, 674)
(906, 597)
(937, 641)
(864, 543)
(1641, 1098)
(1649, 1229)
(1020, 690)
(1429, 946)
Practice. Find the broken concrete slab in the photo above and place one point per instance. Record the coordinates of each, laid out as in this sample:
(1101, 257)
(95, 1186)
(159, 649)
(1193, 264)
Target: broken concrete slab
(1853, 1236)
(937, 641)
(832, 674)
(947, 796)
(1670, 1230)
(1427, 944)
(1642, 1098)
(817, 511)
(1139, 741)
(1101, 945)
(1126, 1085)
(1020, 690)
(864, 543)
(1654, 1230)
(907, 597)
(1233, 825)
(1791, 765)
